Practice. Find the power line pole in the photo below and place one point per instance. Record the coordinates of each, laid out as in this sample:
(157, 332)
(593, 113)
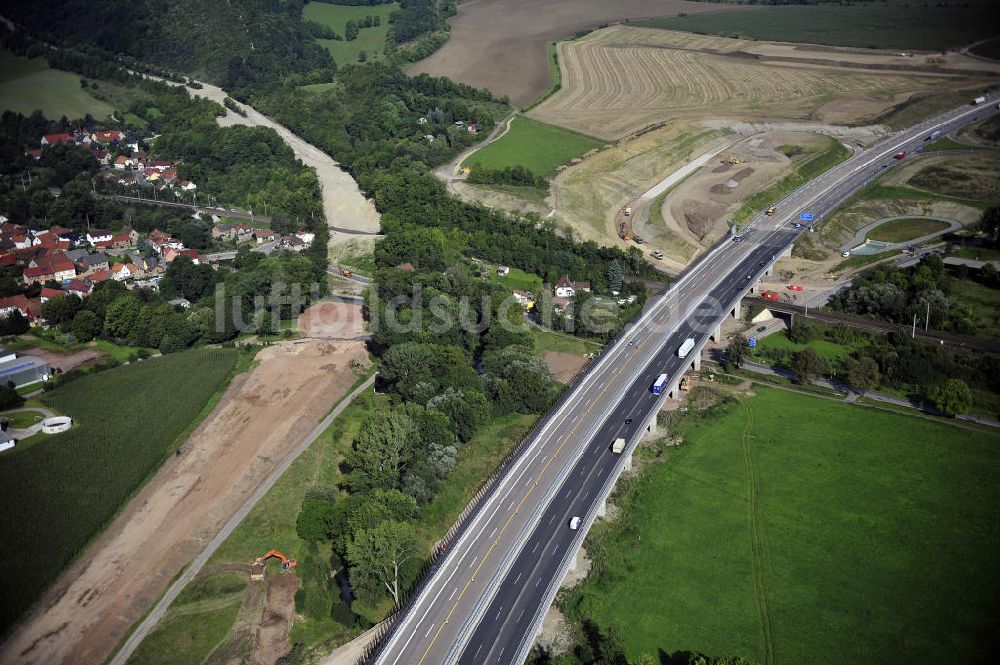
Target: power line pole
(927, 320)
(913, 333)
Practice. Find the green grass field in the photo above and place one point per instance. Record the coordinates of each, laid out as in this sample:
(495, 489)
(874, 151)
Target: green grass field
(978, 253)
(889, 27)
(186, 638)
(535, 146)
(67, 487)
(518, 279)
(549, 340)
(830, 351)
(370, 40)
(272, 524)
(853, 535)
(30, 85)
(902, 230)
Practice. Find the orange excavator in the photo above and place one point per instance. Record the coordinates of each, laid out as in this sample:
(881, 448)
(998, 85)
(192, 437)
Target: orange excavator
(257, 570)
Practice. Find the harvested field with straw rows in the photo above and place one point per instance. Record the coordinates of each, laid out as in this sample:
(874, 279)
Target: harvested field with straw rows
(621, 79)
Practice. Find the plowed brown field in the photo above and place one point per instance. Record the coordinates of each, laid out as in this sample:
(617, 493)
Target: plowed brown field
(502, 44)
(621, 79)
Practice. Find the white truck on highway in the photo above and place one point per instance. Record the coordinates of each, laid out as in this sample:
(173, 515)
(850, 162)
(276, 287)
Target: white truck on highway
(977, 101)
(685, 348)
(618, 446)
(935, 134)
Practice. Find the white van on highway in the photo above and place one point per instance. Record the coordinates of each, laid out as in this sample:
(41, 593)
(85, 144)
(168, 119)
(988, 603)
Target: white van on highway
(574, 523)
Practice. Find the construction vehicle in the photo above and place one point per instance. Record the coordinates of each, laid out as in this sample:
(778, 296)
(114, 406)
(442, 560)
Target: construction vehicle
(732, 161)
(618, 446)
(685, 383)
(625, 225)
(257, 570)
(345, 272)
(770, 211)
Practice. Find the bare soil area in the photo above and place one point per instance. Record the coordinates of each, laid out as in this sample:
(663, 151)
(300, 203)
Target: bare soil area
(272, 633)
(563, 366)
(260, 419)
(621, 79)
(502, 45)
(332, 320)
(698, 208)
(65, 361)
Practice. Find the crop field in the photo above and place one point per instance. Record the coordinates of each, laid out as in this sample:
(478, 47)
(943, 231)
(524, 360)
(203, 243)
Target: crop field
(884, 27)
(67, 487)
(850, 536)
(621, 79)
(901, 230)
(535, 146)
(370, 40)
(29, 85)
(503, 45)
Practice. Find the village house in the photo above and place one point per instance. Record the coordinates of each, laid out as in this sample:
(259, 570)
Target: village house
(567, 289)
(56, 139)
(11, 303)
(54, 267)
(95, 236)
(263, 235)
(122, 271)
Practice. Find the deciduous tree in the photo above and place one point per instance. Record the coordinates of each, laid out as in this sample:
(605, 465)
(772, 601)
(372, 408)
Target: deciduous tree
(380, 553)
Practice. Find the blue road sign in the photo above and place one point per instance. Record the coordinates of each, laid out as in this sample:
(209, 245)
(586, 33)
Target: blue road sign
(806, 217)
(753, 342)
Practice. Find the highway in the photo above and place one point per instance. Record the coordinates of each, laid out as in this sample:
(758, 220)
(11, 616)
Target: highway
(485, 600)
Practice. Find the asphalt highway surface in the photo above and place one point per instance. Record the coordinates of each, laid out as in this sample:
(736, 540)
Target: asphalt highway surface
(485, 600)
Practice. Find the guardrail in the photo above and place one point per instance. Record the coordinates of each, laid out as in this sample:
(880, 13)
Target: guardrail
(404, 607)
(425, 576)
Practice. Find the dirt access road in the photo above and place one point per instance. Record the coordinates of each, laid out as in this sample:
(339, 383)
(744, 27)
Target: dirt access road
(261, 418)
(502, 45)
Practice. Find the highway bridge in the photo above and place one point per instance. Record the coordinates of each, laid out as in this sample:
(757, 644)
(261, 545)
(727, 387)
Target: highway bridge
(484, 599)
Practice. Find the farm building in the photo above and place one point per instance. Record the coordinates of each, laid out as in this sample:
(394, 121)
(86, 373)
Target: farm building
(24, 370)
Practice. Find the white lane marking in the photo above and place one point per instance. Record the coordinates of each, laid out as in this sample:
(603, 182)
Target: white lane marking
(453, 592)
(518, 578)
(519, 616)
(501, 654)
(535, 547)
(493, 532)
(428, 631)
(473, 562)
(499, 612)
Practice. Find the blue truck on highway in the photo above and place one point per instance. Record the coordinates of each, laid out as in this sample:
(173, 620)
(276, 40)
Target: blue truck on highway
(661, 383)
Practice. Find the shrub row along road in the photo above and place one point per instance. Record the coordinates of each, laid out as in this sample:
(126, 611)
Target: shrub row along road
(485, 600)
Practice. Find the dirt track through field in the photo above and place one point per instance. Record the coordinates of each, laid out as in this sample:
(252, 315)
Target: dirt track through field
(260, 419)
(755, 542)
(502, 45)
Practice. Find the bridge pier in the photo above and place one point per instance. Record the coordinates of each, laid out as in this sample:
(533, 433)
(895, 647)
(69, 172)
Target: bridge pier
(716, 335)
(786, 253)
(738, 309)
(602, 508)
(696, 365)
